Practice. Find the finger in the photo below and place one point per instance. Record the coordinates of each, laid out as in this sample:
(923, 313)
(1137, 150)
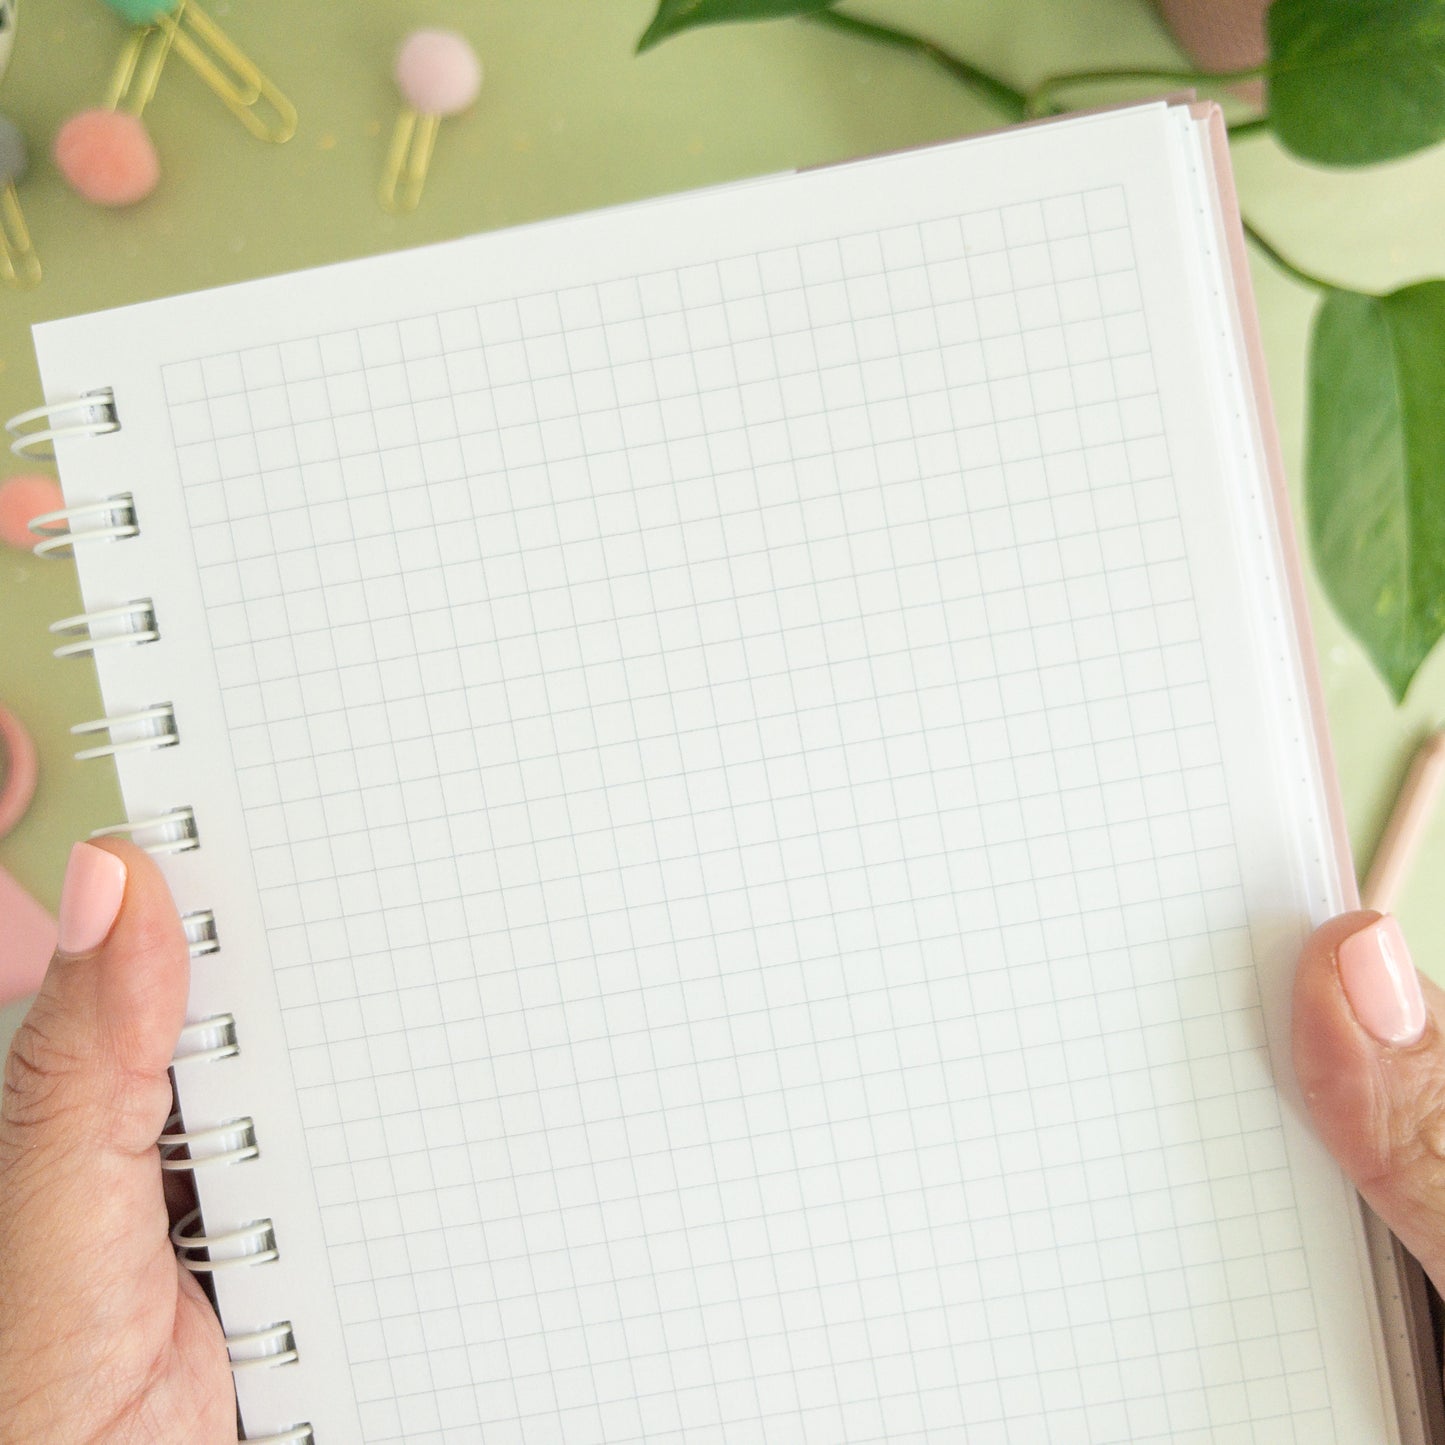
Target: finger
(88, 1064)
(1370, 1057)
(91, 1288)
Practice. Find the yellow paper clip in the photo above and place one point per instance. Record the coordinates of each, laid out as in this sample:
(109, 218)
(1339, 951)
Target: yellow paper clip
(234, 77)
(138, 70)
(438, 74)
(408, 159)
(19, 265)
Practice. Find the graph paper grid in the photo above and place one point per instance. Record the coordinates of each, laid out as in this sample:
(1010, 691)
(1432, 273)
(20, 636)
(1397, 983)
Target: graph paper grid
(731, 777)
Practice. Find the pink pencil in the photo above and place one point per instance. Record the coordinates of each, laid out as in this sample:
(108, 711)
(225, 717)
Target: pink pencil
(1407, 824)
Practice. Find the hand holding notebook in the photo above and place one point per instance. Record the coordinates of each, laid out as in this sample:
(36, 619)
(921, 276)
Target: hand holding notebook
(746, 776)
(102, 1335)
(124, 977)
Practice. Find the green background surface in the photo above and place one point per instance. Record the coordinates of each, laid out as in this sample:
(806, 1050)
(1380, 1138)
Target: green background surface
(569, 119)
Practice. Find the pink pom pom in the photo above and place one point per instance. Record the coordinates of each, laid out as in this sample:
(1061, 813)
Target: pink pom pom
(21, 500)
(107, 157)
(19, 773)
(437, 72)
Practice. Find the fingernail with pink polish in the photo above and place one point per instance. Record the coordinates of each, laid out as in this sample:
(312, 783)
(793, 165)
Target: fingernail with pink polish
(90, 898)
(1381, 983)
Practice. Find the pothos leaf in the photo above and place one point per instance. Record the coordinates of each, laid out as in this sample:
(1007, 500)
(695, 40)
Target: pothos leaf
(1376, 470)
(1357, 81)
(678, 15)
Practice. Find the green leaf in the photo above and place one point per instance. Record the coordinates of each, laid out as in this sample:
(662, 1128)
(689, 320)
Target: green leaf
(677, 15)
(1357, 81)
(1376, 470)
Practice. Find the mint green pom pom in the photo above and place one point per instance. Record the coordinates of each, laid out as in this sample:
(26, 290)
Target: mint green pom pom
(142, 12)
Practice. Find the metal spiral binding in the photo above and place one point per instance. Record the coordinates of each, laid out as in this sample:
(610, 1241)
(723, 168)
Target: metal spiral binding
(207, 1040)
(267, 1349)
(152, 728)
(201, 936)
(115, 521)
(94, 415)
(176, 830)
(131, 625)
(251, 1244)
(229, 1143)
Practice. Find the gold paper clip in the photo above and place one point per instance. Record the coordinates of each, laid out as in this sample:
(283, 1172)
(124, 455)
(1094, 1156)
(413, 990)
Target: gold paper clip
(138, 71)
(438, 74)
(230, 73)
(408, 159)
(19, 265)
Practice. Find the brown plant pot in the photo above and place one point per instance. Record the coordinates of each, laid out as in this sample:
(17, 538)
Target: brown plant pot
(1221, 35)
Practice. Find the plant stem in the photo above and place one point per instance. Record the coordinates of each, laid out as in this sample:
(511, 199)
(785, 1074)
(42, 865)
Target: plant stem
(1041, 98)
(1013, 102)
(1305, 278)
(1242, 128)
(999, 93)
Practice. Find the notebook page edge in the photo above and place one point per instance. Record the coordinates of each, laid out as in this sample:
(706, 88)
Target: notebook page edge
(1284, 625)
(1406, 1339)
(1223, 586)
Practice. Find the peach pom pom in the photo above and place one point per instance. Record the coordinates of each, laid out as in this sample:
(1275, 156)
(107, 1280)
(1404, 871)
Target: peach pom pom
(22, 498)
(107, 157)
(437, 72)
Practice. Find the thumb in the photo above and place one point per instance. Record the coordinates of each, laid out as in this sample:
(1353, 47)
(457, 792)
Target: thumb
(90, 1284)
(1370, 1058)
(86, 1076)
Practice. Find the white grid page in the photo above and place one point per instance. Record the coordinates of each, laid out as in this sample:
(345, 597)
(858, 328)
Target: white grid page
(731, 777)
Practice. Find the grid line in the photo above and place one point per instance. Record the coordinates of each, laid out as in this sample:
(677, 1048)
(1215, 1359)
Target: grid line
(608, 716)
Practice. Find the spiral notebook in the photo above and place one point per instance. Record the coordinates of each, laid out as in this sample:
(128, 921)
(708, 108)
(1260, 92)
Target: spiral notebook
(746, 781)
